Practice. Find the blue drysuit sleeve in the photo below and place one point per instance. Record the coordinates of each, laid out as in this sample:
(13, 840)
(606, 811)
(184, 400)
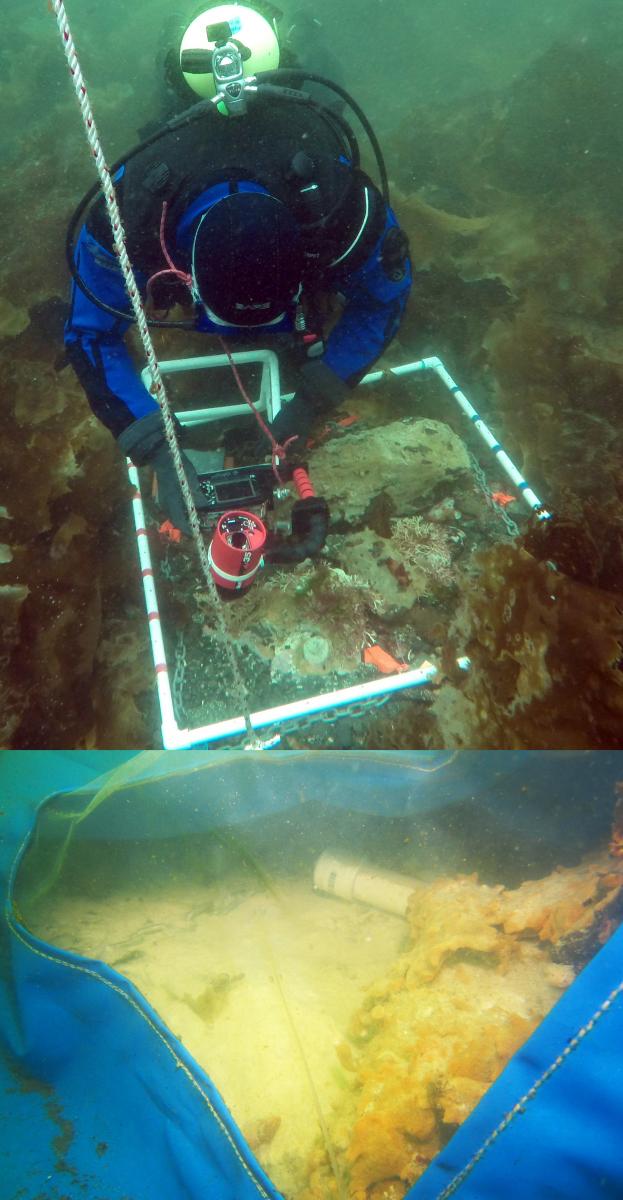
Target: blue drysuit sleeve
(94, 340)
(375, 304)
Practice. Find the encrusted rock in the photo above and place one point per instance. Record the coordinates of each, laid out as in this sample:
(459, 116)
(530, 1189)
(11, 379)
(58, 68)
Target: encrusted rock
(316, 651)
(406, 460)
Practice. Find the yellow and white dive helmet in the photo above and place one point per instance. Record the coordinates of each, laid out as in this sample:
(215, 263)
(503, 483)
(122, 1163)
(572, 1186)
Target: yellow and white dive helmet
(254, 35)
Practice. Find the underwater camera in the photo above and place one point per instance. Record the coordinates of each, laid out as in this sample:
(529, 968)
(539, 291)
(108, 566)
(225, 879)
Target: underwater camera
(239, 487)
(239, 500)
(235, 552)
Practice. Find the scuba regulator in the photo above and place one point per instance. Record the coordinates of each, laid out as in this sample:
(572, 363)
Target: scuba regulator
(225, 64)
(229, 78)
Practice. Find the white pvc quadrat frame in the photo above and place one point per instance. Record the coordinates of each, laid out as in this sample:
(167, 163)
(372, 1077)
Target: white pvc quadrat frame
(270, 399)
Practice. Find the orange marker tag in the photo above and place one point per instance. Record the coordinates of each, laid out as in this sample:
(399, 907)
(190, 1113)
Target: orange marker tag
(169, 533)
(376, 656)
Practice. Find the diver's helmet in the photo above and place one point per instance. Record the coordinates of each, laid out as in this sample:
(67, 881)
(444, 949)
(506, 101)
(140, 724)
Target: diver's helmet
(236, 283)
(254, 35)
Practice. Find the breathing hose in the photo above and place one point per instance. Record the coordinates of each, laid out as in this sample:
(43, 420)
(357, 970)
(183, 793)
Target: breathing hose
(264, 80)
(293, 73)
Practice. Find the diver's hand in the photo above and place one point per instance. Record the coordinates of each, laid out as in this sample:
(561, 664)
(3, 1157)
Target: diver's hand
(170, 499)
(144, 441)
(320, 391)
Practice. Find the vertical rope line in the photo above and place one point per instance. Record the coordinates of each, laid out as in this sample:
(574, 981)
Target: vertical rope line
(157, 388)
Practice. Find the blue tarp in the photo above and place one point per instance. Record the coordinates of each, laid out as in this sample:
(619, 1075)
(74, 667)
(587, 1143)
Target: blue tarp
(555, 796)
(105, 1103)
(566, 1141)
(34, 1127)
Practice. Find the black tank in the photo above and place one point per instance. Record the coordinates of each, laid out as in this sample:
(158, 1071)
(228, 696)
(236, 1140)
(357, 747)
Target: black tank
(264, 146)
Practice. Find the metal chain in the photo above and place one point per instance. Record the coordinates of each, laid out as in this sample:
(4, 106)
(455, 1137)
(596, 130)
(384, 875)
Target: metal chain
(179, 675)
(359, 708)
(511, 527)
(270, 733)
(157, 387)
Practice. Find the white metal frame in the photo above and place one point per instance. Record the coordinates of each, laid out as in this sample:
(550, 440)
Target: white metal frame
(270, 400)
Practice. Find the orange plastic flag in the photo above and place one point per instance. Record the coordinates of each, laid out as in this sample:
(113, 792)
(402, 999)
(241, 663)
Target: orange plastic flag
(376, 656)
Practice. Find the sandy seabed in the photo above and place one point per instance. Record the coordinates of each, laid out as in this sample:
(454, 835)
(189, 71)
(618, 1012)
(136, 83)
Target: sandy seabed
(260, 988)
(348, 1043)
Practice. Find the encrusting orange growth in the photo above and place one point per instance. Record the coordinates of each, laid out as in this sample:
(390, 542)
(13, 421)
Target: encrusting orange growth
(450, 916)
(482, 971)
(565, 903)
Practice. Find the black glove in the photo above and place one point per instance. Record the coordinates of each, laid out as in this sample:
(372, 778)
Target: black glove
(320, 391)
(170, 498)
(145, 443)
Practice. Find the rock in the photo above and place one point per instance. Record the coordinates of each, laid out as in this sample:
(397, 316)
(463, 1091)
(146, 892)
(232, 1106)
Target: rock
(368, 563)
(73, 527)
(444, 511)
(13, 320)
(316, 651)
(406, 460)
(12, 597)
(38, 393)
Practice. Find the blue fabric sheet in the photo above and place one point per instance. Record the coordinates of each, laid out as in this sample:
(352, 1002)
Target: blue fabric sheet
(566, 1144)
(33, 1121)
(101, 1101)
(555, 796)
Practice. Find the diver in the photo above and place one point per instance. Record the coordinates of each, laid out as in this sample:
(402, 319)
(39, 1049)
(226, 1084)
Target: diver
(252, 205)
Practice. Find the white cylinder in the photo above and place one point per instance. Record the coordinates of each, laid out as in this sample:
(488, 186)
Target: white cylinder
(355, 880)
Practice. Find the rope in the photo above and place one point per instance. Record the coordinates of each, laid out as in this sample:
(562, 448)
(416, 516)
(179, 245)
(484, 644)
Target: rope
(183, 276)
(278, 451)
(157, 388)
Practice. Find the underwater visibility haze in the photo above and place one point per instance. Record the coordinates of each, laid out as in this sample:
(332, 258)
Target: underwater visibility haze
(500, 127)
(312, 975)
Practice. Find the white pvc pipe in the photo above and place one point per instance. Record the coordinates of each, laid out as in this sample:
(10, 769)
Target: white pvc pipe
(506, 463)
(207, 361)
(158, 653)
(173, 736)
(202, 416)
(270, 386)
(352, 879)
(177, 739)
(422, 364)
